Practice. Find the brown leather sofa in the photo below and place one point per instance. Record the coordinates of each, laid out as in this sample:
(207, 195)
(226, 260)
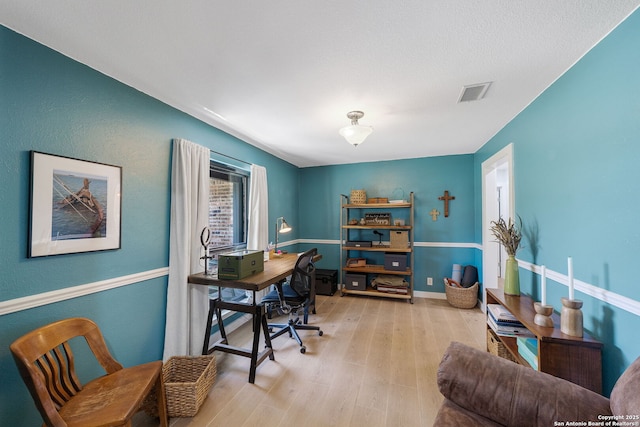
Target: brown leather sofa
(481, 389)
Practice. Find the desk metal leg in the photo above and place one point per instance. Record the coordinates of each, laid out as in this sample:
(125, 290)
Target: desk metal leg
(218, 312)
(267, 335)
(214, 310)
(259, 322)
(257, 316)
(207, 330)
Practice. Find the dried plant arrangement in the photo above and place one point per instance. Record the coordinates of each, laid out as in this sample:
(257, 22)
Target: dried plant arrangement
(508, 234)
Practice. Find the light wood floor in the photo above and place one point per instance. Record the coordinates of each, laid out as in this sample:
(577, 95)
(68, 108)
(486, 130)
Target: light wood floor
(374, 366)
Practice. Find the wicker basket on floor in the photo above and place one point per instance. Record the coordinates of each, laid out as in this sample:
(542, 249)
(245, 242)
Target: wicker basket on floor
(187, 381)
(495, 346)
(462, 297)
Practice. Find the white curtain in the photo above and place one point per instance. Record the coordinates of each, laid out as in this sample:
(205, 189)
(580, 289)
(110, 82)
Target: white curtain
(187, 305)
(258, 227)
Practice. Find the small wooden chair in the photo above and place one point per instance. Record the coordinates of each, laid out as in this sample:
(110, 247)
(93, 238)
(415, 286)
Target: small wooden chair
(46, 364)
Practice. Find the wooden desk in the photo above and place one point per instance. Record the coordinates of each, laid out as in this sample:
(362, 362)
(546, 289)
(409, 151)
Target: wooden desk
(276, 270)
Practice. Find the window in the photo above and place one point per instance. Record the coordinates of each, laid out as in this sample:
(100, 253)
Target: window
(228, 205)
(228, 200)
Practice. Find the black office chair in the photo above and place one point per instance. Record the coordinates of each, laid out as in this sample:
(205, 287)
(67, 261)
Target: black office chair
(292, 297)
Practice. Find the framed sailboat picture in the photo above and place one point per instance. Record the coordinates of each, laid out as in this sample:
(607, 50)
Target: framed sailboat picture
(75, 205)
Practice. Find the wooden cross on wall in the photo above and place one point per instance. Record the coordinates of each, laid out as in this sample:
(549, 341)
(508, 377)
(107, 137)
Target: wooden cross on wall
(446, 199)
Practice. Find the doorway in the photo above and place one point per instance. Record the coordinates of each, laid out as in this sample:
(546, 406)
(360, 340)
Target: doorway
(498, 200)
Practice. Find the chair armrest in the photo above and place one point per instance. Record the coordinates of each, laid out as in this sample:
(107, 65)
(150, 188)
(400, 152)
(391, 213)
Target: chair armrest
(512, 394)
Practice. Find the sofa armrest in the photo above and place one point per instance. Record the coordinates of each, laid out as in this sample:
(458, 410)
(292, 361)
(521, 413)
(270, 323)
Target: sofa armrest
(512, 394)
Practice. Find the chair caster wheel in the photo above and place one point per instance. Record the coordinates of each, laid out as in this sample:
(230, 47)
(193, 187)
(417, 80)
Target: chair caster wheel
(320, 333)
(303, 349)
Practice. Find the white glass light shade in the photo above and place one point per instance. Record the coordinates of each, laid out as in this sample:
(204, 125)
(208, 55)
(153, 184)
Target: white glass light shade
(355, 134)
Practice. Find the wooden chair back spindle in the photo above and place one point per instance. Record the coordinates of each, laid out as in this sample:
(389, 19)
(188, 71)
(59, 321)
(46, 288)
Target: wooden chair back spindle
(47, 365)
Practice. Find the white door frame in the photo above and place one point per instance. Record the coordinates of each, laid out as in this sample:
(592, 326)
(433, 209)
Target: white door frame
(497, 172)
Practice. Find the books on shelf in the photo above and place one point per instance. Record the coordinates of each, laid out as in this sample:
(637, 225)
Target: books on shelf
(528, 349)
(509, 329)
(504, 323)
(501, 314)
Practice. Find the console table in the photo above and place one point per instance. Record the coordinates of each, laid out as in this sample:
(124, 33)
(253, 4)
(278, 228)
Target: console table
(576, 359)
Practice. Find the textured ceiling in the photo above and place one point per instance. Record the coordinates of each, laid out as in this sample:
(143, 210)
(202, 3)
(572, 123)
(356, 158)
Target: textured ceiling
(282, 75)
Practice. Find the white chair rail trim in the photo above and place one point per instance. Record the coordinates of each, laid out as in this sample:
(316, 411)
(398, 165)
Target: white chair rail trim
(38, 300)
(617, 300)
(416, 244)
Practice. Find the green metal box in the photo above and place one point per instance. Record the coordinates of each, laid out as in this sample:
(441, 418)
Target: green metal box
(240, 264)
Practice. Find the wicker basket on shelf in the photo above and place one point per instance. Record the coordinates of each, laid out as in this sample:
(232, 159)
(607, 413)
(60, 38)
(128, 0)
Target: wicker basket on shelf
(358, 197)
(462, 297)
(496, 347)
(187, 381)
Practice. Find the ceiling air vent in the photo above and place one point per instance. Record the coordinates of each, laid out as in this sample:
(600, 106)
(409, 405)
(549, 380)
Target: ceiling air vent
(474, 92)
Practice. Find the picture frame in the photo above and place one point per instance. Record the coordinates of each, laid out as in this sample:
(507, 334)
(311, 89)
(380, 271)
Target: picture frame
(75, 206)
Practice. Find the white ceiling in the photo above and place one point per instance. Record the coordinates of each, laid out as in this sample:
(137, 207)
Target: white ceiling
(282, 74)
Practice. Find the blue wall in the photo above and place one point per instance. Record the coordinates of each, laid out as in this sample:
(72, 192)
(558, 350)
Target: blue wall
(52, 104)
(428, 178)
(577, 149)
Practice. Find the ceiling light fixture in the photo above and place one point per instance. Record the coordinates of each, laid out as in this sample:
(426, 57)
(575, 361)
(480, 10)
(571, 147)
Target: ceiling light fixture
(355, 134)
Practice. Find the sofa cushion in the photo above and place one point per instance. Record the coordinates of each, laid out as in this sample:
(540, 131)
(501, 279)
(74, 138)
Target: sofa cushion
(625, 396)
(453, 415)
(508, 393)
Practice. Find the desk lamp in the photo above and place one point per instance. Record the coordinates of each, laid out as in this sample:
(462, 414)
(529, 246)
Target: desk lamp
(284, 228)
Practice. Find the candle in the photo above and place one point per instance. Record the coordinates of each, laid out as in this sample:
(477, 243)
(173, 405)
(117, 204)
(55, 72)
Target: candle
(543, 285)
(570, 268)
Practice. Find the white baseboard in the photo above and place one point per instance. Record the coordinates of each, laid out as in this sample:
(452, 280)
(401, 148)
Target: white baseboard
(431, 295)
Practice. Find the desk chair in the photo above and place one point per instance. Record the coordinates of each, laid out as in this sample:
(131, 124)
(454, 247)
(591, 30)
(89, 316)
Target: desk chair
(46, 364)
(292, 297)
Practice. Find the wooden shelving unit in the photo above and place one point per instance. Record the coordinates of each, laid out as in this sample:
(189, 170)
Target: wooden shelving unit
(576, 359)
(348, 211)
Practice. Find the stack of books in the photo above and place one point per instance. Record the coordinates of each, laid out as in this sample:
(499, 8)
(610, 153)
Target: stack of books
(528, 349)
(504, 323)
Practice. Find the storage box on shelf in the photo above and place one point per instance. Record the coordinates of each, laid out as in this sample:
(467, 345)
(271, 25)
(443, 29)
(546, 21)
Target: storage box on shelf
(576, 359)
(398, 239)
(395, 258)
(395, 262)
(355, 281)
